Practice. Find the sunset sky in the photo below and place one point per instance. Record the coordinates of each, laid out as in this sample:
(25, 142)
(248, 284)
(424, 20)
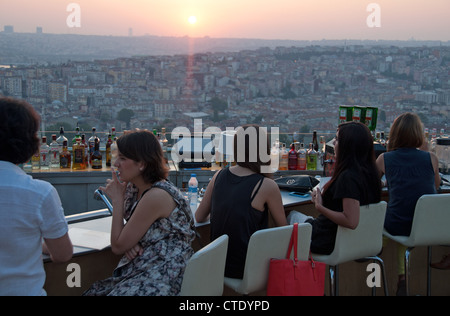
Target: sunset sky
(266, 19)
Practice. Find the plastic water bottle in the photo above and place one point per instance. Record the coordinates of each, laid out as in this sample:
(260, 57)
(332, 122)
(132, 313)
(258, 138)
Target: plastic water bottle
(192, 193)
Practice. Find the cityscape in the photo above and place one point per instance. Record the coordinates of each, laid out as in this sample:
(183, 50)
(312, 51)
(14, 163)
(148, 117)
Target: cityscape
(297, 86)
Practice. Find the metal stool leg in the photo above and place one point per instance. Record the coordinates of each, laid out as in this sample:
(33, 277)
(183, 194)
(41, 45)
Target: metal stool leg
(429, 272)
(407, 255)
(334, 279)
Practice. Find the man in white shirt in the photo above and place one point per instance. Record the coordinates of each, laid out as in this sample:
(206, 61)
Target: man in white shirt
(30, 210)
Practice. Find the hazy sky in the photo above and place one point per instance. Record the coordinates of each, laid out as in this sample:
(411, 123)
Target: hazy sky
(268, 19)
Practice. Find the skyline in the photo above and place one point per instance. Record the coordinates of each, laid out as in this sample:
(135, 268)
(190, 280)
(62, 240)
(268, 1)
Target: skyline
(262, 19)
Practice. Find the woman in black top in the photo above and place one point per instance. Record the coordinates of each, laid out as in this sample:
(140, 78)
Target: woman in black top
(240, 198)
(355, 182)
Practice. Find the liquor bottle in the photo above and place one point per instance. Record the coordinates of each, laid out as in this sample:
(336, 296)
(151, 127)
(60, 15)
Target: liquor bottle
(60, 140)
(108, 151)
(44, 154)
(426, 140)
(315, 143)
(377, 137)
(301, 154)
(91, 143)
(382, 139)
(96, 158)
(321, 153)
(79, 159)
(292, 158)
(54, 153)
(433, 140)
(65, 159)
(311, 158)
(36, 160)
(77, 134)
(284, 156)
(86, 149)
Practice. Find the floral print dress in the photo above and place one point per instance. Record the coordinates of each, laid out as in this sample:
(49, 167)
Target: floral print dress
(167, 248)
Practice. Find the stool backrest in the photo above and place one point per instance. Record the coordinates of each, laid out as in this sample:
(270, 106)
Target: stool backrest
(364, 241)
(205, 271)
(431, 223)
(271, 243)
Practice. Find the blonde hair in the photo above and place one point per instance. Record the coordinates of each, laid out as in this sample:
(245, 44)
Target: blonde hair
(406, 132)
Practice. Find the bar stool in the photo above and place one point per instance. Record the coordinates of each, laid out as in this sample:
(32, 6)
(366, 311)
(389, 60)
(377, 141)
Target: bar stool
(205, 270)
(430, 227)
(364, 242)
(263, 245)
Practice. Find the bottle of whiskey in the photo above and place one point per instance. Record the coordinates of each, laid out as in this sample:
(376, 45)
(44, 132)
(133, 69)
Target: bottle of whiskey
(96, 158)
(36, 161)
(65, 159)
(86, 150)
(108, 151)
(54, 153)
(77, 134)
(79, 159)
(91, 143)
(45, 154)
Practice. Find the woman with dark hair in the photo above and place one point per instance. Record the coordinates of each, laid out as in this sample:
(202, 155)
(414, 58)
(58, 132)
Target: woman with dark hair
(30, 210)
(156, 240)
(355, 182)
(240, 198)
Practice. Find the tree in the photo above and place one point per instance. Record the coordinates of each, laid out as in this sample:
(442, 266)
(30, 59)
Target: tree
(125, 115)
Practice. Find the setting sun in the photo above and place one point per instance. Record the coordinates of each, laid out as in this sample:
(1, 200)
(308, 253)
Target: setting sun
(192, 20)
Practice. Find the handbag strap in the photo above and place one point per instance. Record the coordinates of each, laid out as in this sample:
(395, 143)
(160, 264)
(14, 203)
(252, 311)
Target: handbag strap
(293, 242)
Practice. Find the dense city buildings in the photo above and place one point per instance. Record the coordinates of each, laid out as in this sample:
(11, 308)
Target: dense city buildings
(294, 88)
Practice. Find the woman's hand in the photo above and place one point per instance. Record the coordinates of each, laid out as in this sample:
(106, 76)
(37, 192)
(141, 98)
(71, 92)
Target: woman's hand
(115, 189)
(316, 198)
(137, 250)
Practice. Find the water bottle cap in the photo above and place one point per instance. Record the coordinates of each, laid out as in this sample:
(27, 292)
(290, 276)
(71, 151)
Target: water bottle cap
(193, 175)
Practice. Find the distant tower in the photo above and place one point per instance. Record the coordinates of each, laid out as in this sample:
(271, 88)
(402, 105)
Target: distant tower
(130, 32)
(8, 29)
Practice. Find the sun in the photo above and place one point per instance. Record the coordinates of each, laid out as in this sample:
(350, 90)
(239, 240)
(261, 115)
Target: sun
(192, 19)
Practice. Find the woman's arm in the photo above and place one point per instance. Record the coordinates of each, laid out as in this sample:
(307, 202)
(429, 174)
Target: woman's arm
(437, 177)
(204, 208)
(155, 204)
(349, 218)
(270, 190)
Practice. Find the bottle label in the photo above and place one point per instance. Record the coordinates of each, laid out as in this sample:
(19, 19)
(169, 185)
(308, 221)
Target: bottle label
(78, 156)
(64, 162)
(96, 163)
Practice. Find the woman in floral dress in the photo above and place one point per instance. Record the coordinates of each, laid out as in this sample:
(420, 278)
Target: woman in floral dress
(156, 239)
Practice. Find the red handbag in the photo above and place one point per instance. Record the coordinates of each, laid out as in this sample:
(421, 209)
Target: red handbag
(289, 277)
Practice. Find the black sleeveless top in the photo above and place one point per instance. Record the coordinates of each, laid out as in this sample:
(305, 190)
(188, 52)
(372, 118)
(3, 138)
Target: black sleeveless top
(233, 214)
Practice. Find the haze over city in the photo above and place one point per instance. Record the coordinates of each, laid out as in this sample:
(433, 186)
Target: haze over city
(285, 19)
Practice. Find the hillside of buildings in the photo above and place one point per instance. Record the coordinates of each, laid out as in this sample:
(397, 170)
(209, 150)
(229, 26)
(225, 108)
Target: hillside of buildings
(295, 86)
